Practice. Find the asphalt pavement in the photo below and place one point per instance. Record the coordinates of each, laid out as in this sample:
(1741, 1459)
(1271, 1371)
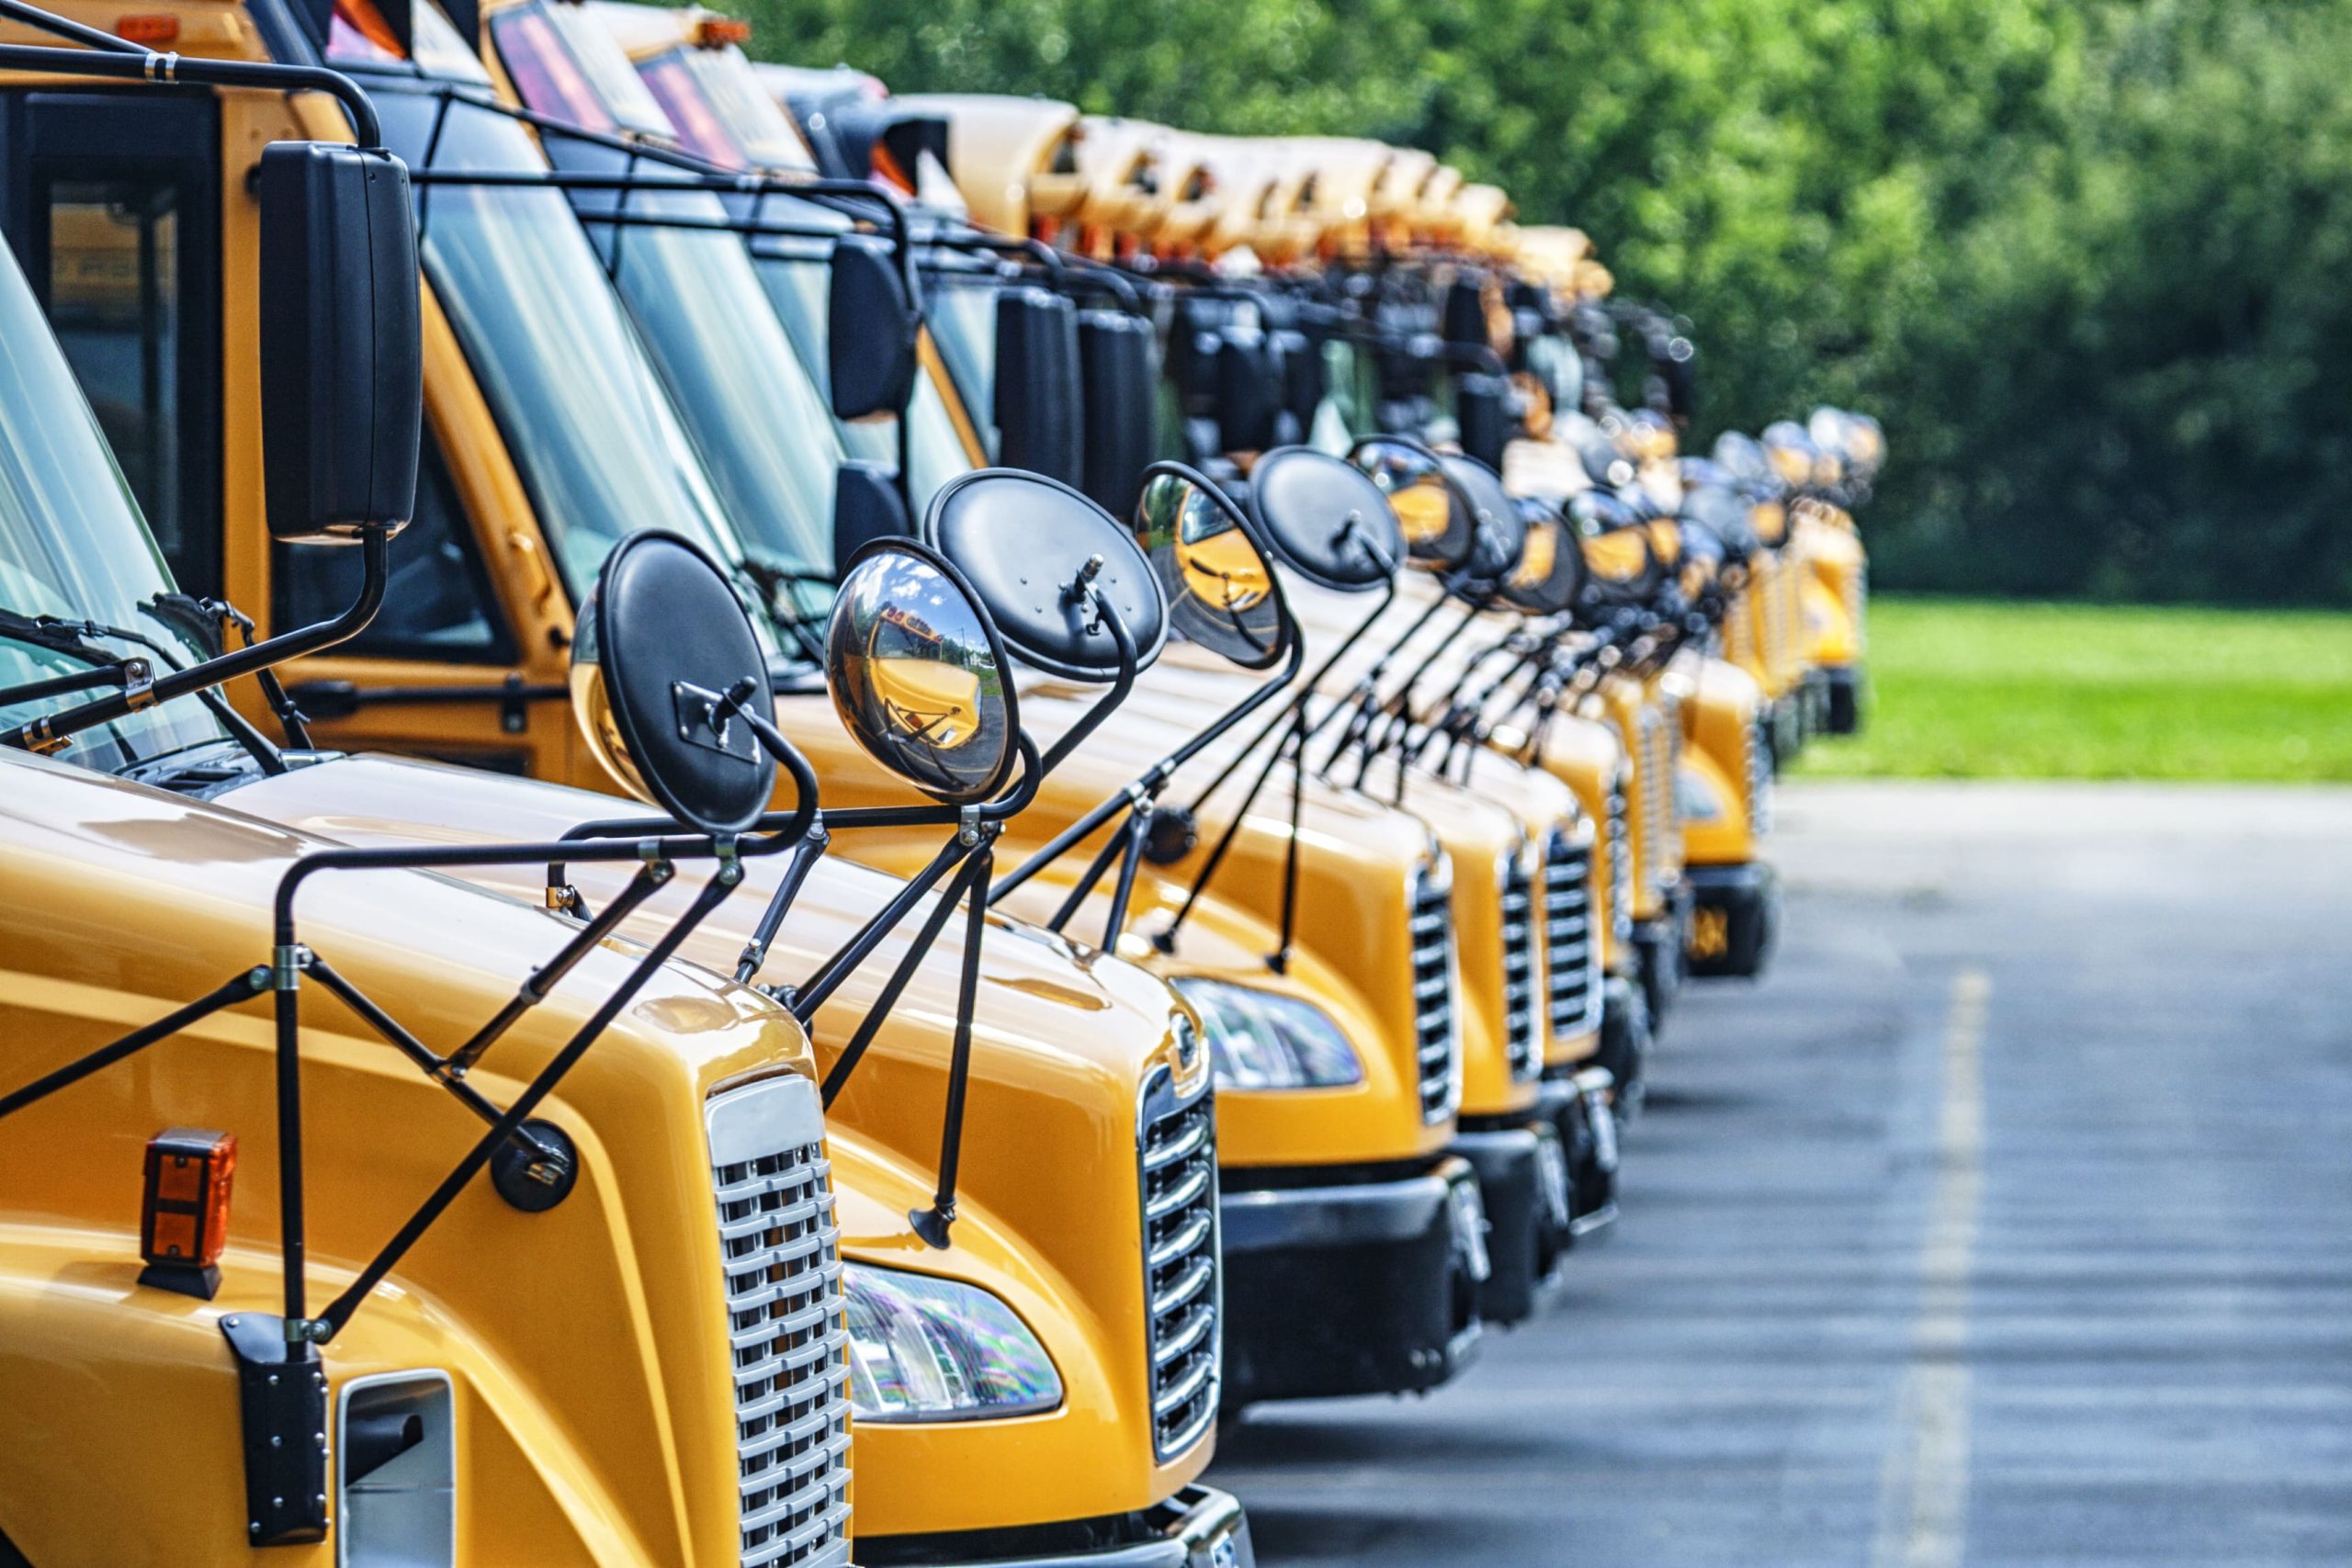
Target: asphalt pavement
(2008, 1222)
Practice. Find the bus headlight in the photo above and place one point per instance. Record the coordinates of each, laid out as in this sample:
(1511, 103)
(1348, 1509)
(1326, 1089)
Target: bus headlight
(922, 1349)
(1264, 1040)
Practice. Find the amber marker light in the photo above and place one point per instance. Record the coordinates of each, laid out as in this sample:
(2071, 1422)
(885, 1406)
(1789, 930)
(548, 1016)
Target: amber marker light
(184, 1215)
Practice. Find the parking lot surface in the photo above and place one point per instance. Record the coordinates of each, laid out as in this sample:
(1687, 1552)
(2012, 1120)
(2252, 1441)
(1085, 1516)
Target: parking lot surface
(2008, 1222)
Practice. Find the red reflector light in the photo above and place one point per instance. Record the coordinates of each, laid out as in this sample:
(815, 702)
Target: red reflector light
(717, 32)
(184, 1216)
(149, 29)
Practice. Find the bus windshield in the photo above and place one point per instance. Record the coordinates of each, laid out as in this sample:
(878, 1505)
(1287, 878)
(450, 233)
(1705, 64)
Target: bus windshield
(587, 421)
(74, 545)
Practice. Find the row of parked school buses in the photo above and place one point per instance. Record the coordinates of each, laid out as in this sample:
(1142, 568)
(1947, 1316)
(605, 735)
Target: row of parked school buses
(1183, 715)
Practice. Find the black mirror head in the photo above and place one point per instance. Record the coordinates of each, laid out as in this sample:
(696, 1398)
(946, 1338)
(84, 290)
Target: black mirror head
(866, 507)
(1214, 570)
(1439, 528)
(660, 642)
(1025, 543)
(341, 347)
(1119, 365)
(1326, 519)
(1039, 422)
(920, 676)
(872, 328)
(1497, 530)
(1550, 574)
(1482, 413)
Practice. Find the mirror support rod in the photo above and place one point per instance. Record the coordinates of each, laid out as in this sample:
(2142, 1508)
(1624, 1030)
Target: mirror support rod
(51, 732)
(145, 65)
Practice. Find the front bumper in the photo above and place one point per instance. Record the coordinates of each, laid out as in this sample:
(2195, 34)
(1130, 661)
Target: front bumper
(1844, 716)
(1579, 1103)
(1625, 1040)
(1351, 1287)
(1523, 1185)
(1659, 945)
(1737, 919)
(1200, 1527)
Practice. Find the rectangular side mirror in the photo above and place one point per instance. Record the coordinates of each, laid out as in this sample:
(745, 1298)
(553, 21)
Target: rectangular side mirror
(1481, 410)
(871, 328)
(1119, 359)
(865, 507)
(342, 354)
(1040, 426)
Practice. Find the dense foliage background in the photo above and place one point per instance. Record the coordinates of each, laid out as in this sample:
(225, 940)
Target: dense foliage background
(2086, 260)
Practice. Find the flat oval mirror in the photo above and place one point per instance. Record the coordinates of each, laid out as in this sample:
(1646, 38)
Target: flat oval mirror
(661, 642)
(1027, 543)
(1217, 577)
(1550, 574)
(1431, 513)
(1497, 530)
(1326, 519)
(919, 675)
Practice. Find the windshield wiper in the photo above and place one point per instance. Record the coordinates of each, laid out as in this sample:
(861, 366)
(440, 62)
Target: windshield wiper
(70, 639)
(134, 674)
(775, 584)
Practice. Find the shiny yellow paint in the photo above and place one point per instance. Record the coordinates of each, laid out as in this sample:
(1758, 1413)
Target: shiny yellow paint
(1719, 704)
(1048, 1211)
(1068, 1260)
(1356, 859)
(1835, 585)
(586, 1345)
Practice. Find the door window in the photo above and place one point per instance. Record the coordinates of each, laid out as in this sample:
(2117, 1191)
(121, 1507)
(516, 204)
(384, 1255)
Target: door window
(439, 603)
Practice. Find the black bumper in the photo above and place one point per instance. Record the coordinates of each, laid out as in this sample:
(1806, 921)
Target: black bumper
(1625, 1035)
(1200, 1527)
(1738, 918)
(1523, 1184)
(1659, 945)
(1580, 1105)
(1845, 699)
(1352, 1287)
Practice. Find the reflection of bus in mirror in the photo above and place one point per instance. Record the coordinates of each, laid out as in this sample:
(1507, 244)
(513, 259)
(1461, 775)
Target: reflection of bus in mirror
(1222, 568)
(917, 679)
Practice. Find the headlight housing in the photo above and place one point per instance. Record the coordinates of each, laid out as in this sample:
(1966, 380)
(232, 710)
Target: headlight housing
(923, 1348)
(1265, 1040)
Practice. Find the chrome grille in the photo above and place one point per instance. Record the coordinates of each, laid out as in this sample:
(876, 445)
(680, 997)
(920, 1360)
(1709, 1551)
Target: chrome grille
(1620, 860)
(1181, 1293)
(1431, 929)
(1571, 951)
(1658, 800)
(1518, 970)
(780, 1250)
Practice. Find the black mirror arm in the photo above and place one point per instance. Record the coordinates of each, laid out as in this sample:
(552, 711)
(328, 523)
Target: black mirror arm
(51, 732)
(134, 62)
(1092, 719)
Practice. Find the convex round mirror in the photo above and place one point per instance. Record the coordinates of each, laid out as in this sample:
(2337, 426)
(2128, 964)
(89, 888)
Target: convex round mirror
(1439, 531)
(1326, 519)
(919, 675)
(1604, 465)
(1497, 530)
(660, 643)
(1621, 567)
(1216, 574)
(1792, 453)
(1033, 549)
(1550, 574)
